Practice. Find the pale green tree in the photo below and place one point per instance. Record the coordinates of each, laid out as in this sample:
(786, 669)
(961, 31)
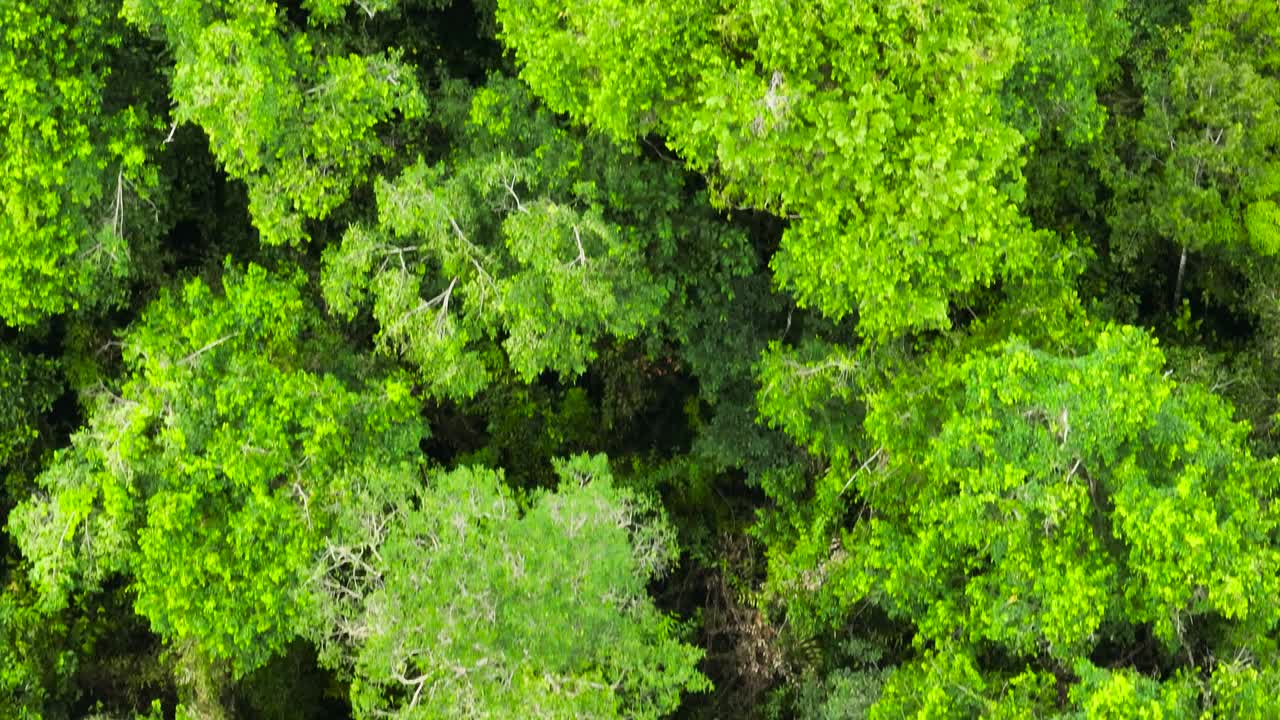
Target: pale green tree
(528, 237)
(473, 608)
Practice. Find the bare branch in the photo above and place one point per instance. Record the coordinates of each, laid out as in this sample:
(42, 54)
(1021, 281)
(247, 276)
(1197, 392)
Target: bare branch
(192, 357)
(472, 252)
(582, 255)
(511, 190)
(874, 456)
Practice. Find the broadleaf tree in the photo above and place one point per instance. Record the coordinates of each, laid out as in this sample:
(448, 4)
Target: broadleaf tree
(77, 171)
(473, 608)
(212, 475)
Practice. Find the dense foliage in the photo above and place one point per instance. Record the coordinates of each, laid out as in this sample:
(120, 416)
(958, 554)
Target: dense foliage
(569, 358)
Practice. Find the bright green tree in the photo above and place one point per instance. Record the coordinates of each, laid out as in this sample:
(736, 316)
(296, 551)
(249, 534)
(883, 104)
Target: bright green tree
(1042, 504)
(292, 111)
(75, 178)
(877, 131)
(212, 477)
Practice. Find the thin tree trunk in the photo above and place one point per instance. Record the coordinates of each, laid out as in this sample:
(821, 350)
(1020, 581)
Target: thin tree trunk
(1182, 271)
